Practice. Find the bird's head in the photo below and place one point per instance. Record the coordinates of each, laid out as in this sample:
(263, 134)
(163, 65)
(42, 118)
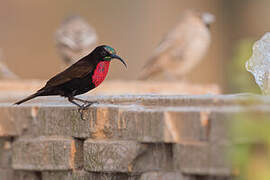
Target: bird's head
(208, 18)
(107, 53)
(193, 15)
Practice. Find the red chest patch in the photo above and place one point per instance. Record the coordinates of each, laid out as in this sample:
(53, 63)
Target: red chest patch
(100, 72)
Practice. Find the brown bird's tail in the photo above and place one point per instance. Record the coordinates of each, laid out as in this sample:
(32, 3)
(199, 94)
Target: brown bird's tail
(149, 70)
(146, 74)
(28, 98)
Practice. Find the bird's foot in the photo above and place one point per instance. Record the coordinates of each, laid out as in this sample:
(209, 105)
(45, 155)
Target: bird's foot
(88, 103)
(84, 107)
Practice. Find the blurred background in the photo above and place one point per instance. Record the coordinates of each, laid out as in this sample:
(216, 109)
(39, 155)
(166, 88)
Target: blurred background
(134, 29)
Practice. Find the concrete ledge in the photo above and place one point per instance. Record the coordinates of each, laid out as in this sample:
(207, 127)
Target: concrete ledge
(124, 137)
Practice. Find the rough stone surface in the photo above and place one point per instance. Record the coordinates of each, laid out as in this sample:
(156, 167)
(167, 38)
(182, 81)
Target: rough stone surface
(27, 175)
(62, 175)
(163, 176)
(207, 177)
(84, 175)
(126, 156)
(55, 121)
(182, 126)
(5, 152)
(111, 156)
(141, 125)
(14, 121)
(6, 174)
(44, 153)
(125, 123)
(202, 158)
(124, 137)
(100, 123)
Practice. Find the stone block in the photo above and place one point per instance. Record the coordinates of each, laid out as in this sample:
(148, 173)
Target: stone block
(6, 174)
(27, 175)
(202, 158)
(5, 152)
(126, 156)
(14, 120)
(100, 123)
(44, 153)
(110, 156)
(163, 176)
(84, 175)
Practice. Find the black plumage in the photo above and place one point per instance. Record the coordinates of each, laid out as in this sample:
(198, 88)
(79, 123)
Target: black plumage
(78, 78)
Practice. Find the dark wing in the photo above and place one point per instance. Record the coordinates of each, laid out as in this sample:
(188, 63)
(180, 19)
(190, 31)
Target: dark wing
(77, 70)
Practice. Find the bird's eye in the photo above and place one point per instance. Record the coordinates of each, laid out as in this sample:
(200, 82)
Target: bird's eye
(110, 50)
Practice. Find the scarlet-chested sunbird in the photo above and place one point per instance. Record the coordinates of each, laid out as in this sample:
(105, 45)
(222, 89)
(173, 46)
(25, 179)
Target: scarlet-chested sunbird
(84, 75)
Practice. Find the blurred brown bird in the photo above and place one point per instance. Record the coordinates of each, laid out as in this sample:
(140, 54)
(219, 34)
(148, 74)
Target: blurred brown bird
(182, 48)
(75, 38)
(5, 72)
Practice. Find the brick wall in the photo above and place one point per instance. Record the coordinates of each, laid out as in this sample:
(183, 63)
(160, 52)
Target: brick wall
(122, 137)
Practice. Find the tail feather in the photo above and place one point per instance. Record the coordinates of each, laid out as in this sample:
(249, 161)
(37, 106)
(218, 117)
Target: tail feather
(150, 69)
(149, 72)
(28, 98)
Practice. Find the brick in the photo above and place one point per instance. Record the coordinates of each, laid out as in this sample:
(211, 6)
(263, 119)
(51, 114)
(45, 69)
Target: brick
(113, 122)
(141, 125)
(55, 121)
(177, 100)
(123, 123)
(207, 177)
(60, 175)
(125, 156)
(84, 175)
(78, 154)
(220, 123)
(126, 122)
(6, 174)
(44, 153)
(156, 157)
(27, 175)
(202, 158)
(110, 122)
(166, 100)
(163, 176)
(110, 156)
(112, 176)
(159, 125)
(186, 125)
(5, 152)
(101, 123)
(199, 100)
(14, 121)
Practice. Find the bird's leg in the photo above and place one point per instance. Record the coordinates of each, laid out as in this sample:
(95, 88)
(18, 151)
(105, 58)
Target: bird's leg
(71, 99)
(81, 100)
(86, 103)
(81, 107)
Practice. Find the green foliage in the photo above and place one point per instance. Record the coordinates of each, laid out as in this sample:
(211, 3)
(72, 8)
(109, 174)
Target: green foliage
(239, 79)
(251, 150)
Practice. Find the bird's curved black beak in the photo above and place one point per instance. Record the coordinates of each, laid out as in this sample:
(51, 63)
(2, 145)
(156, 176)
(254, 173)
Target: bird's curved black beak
(114, 56)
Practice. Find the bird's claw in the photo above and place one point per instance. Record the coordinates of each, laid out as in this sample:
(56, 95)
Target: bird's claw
(85, 106)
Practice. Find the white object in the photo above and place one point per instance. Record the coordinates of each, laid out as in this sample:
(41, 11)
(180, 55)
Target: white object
(259, 63)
